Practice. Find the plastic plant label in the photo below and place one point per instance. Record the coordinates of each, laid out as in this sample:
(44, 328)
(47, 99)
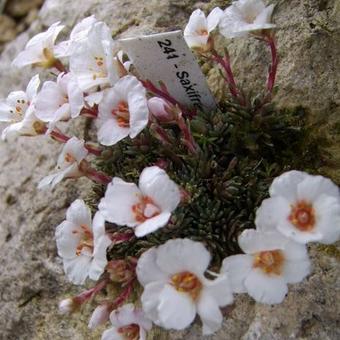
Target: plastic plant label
(166, 57)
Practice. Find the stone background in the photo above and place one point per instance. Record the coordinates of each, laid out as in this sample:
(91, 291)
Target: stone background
(31, 276)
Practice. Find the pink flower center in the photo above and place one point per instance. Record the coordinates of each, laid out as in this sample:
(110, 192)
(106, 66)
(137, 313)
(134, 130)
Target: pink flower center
(187, 282)
(302, 216)
(270, 262)
(130, 332)
(122, 114)
(202, 31)
(145, 209)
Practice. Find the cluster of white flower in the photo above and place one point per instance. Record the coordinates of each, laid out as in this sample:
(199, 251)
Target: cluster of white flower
(98, 84)
(242, 18)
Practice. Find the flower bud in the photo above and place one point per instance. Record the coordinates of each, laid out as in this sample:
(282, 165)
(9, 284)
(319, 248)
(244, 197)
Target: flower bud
(99, 316)
(121, 271)
(67, 306)
(160, 109)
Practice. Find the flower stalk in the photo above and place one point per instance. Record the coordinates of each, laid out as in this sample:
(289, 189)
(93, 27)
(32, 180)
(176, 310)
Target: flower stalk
(270, 40)
(164, 93)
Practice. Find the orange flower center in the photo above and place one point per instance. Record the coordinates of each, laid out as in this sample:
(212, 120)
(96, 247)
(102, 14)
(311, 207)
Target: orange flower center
(302, 216)
(86, 241)
(69, 158)
(122, 114)
(39, 127)
(270, 262)
(145, 209)
(187, 282)
(130, 332)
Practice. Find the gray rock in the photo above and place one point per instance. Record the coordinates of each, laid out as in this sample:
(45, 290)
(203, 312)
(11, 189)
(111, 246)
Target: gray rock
(32, 280)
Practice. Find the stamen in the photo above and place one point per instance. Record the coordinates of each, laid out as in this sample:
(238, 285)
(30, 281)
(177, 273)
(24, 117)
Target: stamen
(130, 332)
(302, 216)
(145, 209)
(270, 262)
(122, 114)
(187, 282)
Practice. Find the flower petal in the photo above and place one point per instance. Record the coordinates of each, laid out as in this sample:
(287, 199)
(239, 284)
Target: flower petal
(286, 184)
(79, 214)
(150, 300)
(252, 241)
(296, 271)
(214, 18)
(265, 288)
(328, 218)
(237, 267)
(152, 224)
(209, 311)
(175, 310)
(147, 269)
(271, 212)
(219, 289)
(155, 183)
(116, 205)
(109, 132)
(314, 186)
(180, 255)
(76, 269)
(67, 237)
(99, 261)
(112, 334)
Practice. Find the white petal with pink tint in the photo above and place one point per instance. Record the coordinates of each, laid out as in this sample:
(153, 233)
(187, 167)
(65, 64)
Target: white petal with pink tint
(123, 111)
(167, 299)
(68, 165)
(147, 207)
(82, 243)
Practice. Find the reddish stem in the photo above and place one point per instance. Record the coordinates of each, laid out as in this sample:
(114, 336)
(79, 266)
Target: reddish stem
(188, 138)
(59, 66)
(161, 134)
(88, 294)
(124, 295)
(224, 62)
(97, 176)
(60, 137)
(121, 237)
(275, 61)
(163, 93)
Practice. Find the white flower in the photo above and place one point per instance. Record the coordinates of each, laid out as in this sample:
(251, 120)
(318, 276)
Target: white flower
(303, 207)
(59, 100)
(175, 288)
(39, 50)
(147, 207)
(245, 16)
(129, 323)
(78, 34)
(18, 109)
(123, 111)
(29, 126)
(14, 107)
(199, 27)
(82, 243)
(271, 261)
(92, 62)
(69, 161)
